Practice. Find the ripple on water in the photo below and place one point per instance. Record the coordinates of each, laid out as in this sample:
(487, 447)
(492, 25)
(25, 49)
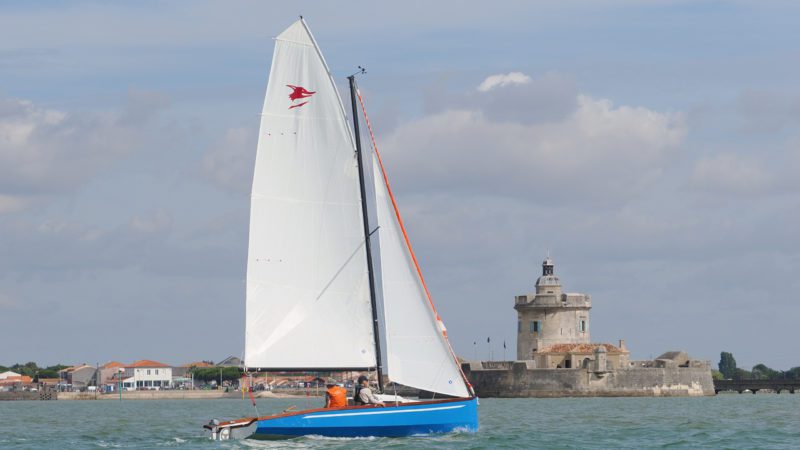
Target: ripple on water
(726, 421)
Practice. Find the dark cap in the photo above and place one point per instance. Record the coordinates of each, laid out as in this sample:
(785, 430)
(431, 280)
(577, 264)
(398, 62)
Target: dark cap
(362, 379)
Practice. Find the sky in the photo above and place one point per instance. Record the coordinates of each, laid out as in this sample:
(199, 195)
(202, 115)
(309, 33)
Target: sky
(652, 147)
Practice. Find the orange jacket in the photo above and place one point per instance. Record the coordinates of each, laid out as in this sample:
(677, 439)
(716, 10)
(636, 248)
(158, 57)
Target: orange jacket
(337, 397)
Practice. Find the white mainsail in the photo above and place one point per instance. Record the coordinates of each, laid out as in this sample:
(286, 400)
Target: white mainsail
(308, 301)
(418, 353)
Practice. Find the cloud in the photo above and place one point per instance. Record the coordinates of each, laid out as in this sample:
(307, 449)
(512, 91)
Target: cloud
(502, 80)
(731, 174)
(229, 164)
(768, 111)
(141, 106)
(45, 151)
(159, 221)
(10, 203)
(549, 98)
(7, 303)
(599, 152)
(55, 249)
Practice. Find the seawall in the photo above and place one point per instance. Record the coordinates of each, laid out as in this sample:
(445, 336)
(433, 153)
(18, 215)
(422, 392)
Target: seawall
(520, 379)
(169, 395)
(27, 395)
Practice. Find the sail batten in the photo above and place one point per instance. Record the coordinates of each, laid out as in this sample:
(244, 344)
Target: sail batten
(307, 44)
(308, 303)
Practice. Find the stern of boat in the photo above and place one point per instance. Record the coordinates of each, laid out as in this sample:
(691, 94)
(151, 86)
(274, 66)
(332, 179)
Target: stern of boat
(233, 429)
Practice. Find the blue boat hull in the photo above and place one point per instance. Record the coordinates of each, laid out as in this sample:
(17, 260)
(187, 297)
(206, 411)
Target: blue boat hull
(361, 421)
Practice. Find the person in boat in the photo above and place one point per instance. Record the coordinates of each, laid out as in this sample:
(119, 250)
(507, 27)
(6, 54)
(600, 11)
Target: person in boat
(335, 396)
(363, 394)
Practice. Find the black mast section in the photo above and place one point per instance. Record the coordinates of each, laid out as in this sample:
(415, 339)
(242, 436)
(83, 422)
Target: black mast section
(367, 234)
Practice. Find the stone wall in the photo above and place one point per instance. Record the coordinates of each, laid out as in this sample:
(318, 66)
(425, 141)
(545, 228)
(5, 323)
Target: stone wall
(560, 325)
(523, 380)
(45, 394)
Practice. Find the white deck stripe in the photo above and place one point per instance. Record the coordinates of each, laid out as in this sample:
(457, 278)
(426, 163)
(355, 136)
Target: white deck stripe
(369, 413)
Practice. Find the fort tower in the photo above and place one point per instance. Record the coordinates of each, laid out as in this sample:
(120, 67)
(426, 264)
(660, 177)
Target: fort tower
(550, 317)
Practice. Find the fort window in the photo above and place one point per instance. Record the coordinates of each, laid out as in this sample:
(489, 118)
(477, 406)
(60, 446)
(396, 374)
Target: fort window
(582, 326)
(568, 364)
(519, 326)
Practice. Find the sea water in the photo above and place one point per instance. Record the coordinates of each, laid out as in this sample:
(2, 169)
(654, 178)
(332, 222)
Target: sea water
(724, 421)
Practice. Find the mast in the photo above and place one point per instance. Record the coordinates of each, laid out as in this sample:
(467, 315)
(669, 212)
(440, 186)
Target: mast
(367, 234)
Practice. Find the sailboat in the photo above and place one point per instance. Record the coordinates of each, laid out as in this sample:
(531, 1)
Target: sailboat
(328, 288)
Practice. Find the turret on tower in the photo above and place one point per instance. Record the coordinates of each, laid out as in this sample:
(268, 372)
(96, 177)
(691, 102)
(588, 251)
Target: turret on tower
(548, 283)
(547, 266)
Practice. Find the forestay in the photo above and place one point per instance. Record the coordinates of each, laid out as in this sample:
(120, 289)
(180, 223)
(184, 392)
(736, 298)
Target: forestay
(418, 353)
(308, 303)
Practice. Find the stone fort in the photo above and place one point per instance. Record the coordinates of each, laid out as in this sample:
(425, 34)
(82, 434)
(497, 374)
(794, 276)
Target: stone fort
(556, 357)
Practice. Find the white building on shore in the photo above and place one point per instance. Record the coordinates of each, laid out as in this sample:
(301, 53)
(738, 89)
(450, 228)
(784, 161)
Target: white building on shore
(147, 374)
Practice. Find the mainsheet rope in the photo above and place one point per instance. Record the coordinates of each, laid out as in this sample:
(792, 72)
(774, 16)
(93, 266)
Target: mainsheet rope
(405, 237)
(249, 376)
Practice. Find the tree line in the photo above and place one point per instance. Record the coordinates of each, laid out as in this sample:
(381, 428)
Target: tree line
(215, 373)
(729, 371)
(32, 370)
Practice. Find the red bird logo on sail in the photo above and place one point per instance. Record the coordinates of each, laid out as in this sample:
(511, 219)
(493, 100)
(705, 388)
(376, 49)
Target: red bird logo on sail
(299, 93)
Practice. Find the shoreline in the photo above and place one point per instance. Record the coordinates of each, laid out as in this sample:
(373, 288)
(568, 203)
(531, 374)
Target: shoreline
(176, 395)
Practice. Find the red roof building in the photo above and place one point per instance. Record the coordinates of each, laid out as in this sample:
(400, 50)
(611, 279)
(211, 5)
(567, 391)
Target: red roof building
(145, 363)
(21, 380)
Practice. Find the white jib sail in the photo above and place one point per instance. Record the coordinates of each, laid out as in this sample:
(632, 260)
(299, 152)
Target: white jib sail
(418, 353)
(308, 303)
